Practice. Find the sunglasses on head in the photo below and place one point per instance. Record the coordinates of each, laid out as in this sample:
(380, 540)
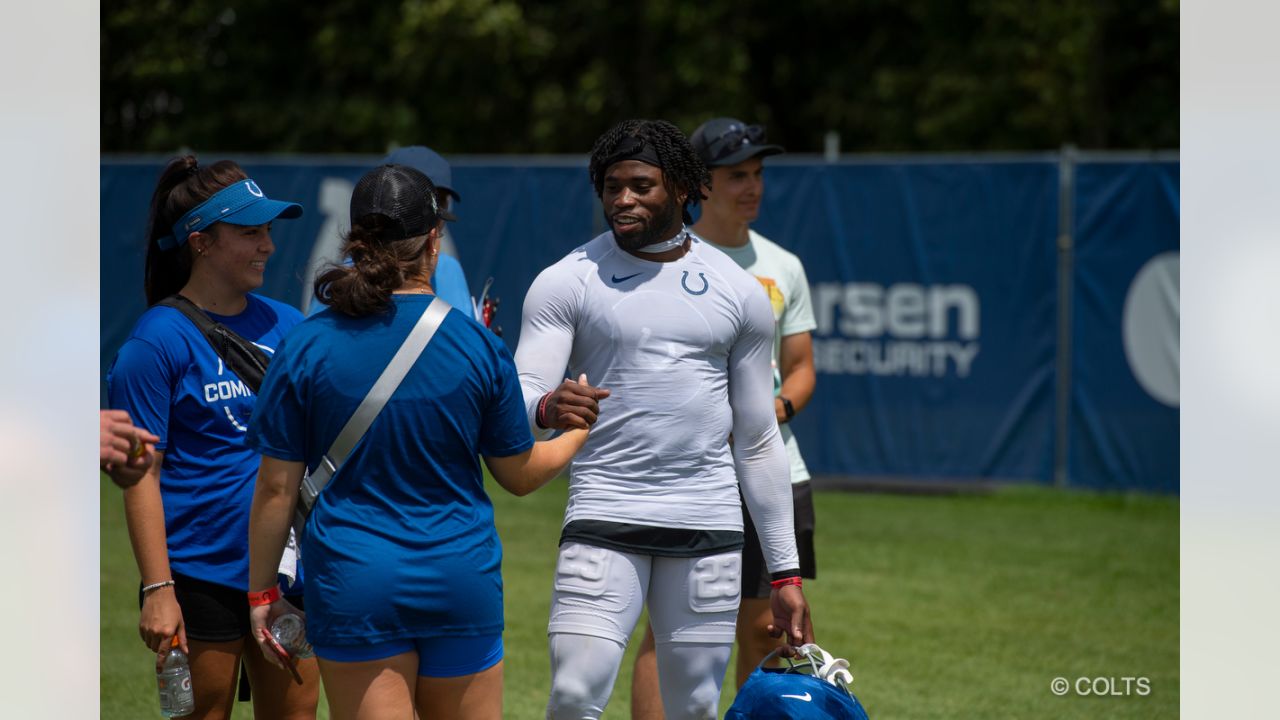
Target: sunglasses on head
(735, 136)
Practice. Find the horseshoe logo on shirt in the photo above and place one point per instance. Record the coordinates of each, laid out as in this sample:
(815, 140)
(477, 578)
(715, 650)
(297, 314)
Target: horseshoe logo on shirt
(684, 282)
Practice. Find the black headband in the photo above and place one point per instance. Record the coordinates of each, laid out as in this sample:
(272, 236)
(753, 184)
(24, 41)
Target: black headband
(633, 148)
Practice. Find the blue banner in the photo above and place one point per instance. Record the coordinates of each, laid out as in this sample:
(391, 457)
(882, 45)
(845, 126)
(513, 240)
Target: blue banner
(934, 285)
(933, 289)
(1124, 379)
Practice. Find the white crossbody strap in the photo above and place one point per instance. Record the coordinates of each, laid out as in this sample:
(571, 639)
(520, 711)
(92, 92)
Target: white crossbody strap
(372, 404)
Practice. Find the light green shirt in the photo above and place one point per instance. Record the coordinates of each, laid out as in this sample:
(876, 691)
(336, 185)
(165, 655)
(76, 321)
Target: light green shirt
(783, 278)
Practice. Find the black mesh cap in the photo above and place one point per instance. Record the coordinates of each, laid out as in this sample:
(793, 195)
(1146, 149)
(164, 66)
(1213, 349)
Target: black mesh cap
(721, 142)
(402, 195)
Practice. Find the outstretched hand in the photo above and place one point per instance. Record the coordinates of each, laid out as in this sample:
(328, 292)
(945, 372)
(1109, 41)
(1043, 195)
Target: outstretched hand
(126, 451)
(792, 620)
(573, 405)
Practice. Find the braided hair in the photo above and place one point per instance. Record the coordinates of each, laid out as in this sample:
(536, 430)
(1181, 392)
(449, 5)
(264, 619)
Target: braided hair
(682, 170)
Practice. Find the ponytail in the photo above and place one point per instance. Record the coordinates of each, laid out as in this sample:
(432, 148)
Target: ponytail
(378, 267)
(183, 184)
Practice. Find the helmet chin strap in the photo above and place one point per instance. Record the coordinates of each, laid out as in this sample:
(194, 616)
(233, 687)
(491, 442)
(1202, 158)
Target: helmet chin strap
(665, 245)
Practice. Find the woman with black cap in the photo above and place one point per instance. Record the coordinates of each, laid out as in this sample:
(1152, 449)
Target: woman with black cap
(404, 590)
(209, 240)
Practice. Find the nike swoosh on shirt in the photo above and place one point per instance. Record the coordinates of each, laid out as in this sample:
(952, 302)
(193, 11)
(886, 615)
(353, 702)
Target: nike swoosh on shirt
(805, 697)
(625, 278)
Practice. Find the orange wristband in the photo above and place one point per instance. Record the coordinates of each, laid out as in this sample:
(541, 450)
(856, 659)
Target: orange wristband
(264, 597)
(787, 581)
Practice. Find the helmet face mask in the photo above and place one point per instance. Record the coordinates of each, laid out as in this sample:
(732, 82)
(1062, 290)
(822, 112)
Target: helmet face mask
(823, 666)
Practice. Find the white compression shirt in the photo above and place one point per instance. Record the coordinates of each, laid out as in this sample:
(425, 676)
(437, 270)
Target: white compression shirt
(684, 347)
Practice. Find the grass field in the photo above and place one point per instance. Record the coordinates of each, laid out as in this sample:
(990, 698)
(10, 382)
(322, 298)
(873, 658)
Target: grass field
(947, 607)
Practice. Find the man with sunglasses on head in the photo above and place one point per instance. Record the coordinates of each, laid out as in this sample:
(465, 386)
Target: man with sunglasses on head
(682, 338)
(734, 152)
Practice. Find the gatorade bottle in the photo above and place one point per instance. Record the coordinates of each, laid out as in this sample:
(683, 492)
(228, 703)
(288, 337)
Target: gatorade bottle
(174, 680)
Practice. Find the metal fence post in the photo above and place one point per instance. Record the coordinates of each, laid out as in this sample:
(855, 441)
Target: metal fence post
(1066, 271)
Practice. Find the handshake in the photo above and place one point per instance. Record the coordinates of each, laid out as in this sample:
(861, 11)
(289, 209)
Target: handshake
(575, 405)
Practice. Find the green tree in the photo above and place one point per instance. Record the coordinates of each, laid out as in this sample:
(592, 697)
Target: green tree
(504, 76)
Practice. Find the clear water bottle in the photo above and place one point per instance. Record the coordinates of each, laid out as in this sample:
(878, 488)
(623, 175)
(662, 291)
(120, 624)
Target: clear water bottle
(174, 679)
(290, 631)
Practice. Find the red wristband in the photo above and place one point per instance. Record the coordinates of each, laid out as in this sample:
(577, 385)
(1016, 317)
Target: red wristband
(777, 584)
(540, 416)
(264, 597)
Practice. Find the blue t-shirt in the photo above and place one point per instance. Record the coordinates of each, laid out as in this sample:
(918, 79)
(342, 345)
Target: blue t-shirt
(401, 544)
(172, 383)
(450, 284)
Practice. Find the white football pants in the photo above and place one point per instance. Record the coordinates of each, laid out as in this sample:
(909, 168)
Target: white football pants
(595, 604)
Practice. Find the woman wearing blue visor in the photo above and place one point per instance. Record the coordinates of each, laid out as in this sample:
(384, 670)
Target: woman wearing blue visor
(209, 240)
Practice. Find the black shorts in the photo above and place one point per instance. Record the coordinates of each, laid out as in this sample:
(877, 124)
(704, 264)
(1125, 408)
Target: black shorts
(755, 574)
(213, 612)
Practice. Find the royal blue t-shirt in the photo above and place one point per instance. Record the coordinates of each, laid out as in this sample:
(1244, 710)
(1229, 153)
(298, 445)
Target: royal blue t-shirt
(401, 544)
(172, 383)
(450, 284)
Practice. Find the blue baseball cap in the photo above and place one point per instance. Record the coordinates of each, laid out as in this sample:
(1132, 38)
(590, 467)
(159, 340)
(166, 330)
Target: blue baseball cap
(429, 163)
(241, 203)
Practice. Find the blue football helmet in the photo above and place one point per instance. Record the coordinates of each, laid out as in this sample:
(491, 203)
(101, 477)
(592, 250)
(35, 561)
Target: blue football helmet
(815, 686)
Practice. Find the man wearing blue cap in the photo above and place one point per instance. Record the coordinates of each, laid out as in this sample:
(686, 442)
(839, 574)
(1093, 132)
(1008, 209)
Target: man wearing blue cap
(449, 281)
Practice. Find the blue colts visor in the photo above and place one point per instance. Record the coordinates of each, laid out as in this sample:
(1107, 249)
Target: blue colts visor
(242, 203)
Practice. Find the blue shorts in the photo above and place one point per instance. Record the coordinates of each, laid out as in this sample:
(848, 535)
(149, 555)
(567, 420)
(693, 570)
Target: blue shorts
(438, 657)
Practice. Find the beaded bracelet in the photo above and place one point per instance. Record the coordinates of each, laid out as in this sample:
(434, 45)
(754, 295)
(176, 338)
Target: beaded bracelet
(156, 586)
